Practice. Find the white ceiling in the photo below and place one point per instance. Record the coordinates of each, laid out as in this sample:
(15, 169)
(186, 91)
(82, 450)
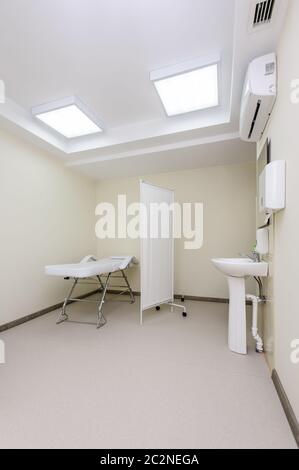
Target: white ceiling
(225, 152)
(103, 51)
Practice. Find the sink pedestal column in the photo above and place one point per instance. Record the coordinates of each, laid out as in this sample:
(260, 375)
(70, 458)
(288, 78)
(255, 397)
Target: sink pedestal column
(237, 315)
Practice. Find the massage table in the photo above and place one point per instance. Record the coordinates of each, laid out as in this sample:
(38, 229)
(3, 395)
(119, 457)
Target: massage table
(90, 270)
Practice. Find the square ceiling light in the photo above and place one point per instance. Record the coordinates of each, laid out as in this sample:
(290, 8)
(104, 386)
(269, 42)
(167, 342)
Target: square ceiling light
(68, 116)
(187, 87)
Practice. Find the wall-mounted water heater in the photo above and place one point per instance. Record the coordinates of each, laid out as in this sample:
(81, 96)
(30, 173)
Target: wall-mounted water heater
(272, 187)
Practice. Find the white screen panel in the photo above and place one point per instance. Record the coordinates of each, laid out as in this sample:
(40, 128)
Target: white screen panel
(156, 253)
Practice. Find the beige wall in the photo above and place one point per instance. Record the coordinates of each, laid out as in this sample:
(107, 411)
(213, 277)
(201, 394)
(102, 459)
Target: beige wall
(282, 313)
(47, 217)
(228, 195)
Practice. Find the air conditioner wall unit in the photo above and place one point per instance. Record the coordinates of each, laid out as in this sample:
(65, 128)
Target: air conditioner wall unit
(258, 98)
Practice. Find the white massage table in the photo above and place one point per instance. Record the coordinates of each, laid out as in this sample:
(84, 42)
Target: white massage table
(100, 272)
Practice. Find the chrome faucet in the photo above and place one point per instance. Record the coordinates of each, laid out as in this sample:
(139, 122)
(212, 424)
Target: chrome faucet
(254, 256)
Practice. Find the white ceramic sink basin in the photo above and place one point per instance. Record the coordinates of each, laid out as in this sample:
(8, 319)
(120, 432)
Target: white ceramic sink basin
(236, 270)
(241, 267)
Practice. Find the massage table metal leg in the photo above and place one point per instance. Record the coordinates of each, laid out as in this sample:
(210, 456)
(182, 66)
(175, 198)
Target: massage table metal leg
(103, 287)
(129, 287)
(100, 282)
(63, 316)
(101, 319)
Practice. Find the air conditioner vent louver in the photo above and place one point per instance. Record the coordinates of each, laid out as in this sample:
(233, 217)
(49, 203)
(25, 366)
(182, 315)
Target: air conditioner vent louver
(254, 119)
(263, 12)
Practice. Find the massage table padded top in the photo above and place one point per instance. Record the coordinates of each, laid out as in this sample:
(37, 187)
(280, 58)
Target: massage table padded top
(92, 267)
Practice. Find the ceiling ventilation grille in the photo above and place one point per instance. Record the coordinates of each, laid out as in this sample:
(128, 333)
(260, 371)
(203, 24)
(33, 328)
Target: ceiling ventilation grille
(263, 12)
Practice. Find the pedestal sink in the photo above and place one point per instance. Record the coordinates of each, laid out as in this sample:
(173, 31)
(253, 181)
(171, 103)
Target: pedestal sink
(236, 270)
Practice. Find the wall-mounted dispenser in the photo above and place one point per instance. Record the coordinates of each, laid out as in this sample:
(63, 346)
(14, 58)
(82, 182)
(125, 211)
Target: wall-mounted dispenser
(262, 241)
(272, 188)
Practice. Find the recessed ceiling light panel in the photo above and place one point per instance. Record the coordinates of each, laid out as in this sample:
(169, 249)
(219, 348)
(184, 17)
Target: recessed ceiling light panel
(182, 90)
(69, 117)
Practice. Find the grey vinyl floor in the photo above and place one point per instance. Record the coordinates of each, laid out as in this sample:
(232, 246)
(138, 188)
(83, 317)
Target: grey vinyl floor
(171, 383)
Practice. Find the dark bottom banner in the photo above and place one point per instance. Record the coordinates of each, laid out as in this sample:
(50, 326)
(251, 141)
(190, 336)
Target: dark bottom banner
(130, 459)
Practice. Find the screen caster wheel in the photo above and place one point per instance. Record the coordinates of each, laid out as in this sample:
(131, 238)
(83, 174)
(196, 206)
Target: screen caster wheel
(158, 308)
(184, 314)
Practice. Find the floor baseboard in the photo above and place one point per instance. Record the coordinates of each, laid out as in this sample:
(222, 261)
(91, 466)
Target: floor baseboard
(186, 297)
(34, 315)
(291, 417)
(202, 299)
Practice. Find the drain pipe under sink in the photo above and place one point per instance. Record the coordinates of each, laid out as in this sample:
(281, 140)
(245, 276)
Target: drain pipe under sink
(255, 301)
